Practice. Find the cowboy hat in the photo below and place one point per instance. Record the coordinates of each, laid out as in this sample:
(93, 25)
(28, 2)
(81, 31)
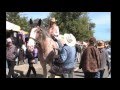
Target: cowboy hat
(69, 39)
(9, 40)
(53, 20)
(100, 44)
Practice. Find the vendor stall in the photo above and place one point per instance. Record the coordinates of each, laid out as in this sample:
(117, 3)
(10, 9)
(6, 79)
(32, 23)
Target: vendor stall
(12, 26)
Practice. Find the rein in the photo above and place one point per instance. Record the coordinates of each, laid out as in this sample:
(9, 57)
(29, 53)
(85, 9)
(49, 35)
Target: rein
(40, 44)
(35, 40)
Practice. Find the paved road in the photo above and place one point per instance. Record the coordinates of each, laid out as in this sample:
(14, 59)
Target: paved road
(22, 70)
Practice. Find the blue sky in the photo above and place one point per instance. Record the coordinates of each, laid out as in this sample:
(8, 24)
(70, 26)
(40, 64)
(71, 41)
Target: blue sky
(103, 24)
(101, 19)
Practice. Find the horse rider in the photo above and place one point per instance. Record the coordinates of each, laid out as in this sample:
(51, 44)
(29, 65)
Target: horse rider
(54, 31)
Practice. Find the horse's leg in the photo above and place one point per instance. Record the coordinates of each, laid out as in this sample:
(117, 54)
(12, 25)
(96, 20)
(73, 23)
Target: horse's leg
(43, 64)
(50, 64)
(51, 75)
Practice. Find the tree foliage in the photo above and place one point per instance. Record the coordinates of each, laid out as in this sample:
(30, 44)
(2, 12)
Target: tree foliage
(14, 17)
(77, 23)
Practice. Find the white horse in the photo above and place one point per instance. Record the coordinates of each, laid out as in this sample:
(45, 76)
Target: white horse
(45, 45)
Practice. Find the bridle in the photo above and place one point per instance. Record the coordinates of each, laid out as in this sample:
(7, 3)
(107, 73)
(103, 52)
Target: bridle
(36, 41)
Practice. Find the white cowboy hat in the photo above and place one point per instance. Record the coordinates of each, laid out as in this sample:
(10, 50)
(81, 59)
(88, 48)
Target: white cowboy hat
(9, 40)
(53, 20)
(70, 40)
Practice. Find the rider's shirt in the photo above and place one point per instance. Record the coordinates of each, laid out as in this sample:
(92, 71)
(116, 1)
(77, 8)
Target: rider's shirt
(54, 31)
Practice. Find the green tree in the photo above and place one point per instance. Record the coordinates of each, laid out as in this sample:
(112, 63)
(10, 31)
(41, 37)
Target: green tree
(45, 22)
(14, 17)
(77, 23)
(24, 23)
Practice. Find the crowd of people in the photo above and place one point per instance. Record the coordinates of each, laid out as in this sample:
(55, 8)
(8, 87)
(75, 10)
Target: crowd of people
(93, 56)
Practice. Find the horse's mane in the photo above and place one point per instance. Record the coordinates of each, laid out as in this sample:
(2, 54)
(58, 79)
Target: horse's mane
(44, 33)
(43, 29)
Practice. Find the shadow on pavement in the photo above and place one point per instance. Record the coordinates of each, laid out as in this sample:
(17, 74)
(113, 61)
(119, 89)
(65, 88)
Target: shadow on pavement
(20, 72)
(37, 76)
(21, 75)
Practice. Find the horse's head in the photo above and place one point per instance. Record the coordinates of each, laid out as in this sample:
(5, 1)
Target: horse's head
(34, 33)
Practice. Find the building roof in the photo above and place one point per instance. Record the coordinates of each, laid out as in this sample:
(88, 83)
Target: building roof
(12, 26)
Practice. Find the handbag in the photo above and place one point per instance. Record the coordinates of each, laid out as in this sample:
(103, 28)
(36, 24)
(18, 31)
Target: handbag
(56, 68)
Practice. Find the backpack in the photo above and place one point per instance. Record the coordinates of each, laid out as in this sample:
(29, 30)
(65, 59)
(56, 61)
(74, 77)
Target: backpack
(78, 48)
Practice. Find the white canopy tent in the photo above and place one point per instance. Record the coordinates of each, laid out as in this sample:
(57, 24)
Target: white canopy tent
(11, 26)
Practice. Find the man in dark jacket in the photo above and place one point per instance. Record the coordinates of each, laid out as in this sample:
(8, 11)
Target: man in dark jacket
(103, 57)
(90, 62)
(11, 54)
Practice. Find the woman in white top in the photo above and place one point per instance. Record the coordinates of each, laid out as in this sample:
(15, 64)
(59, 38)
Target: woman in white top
(54, 32)
(54, 29)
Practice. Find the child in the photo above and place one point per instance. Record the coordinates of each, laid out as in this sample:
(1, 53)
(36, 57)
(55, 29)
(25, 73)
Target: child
(31, 61)
(36, 55)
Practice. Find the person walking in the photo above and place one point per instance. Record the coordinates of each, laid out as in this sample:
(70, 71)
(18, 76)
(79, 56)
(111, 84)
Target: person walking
(90, 60)
(54, 31)
(11, 55)
(67, 56)
(78, 55)
(103, 57)
(31, 61)
(109, 61)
